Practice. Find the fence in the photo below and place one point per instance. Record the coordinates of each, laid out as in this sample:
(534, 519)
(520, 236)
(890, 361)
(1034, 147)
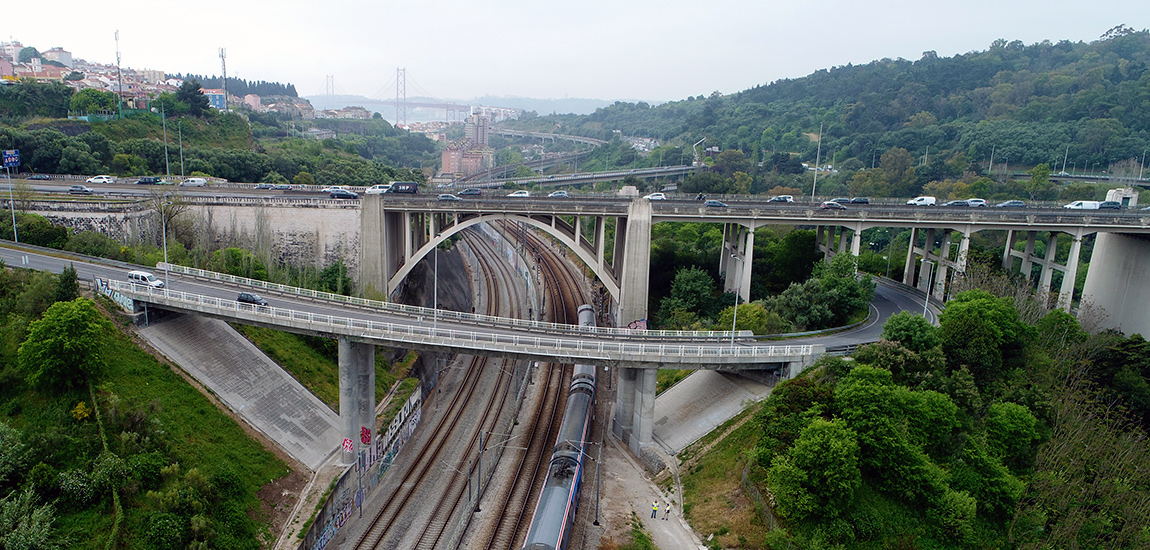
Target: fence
(357, 482)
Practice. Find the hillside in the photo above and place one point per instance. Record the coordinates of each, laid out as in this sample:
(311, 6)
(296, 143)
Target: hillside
(1086, 102)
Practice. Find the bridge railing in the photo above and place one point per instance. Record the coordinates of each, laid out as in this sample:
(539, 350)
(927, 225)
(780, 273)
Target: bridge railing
(479, 319)
(419, 332)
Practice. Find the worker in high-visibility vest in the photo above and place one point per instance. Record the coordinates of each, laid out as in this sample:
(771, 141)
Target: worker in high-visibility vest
(654, 509)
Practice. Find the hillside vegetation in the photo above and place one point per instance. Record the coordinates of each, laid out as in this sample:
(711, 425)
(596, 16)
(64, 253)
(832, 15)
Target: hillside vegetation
(1087, 103)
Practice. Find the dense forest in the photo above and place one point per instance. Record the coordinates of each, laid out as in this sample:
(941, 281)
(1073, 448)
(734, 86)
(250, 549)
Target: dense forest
(1014, 105)
(238, 146)
(240, 87)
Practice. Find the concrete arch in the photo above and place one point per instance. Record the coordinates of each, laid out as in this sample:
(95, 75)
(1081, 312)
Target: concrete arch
(601, 272)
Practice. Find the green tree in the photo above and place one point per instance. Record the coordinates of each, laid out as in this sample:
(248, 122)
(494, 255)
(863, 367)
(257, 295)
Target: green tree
(67, 286)
(26, 54)
(25, 526)
(1039, 181)
(910, 330)
(982, 333)
(824, 461)
(65, 347)
(91, 99)
(13, 453)
(334, 279)
(192, 95)
(1012, 434)
(303, 178)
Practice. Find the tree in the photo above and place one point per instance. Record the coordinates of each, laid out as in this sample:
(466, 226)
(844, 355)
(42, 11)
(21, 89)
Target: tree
(64, 348)
(982, 333)
(26, 54)
(190, 94)
(1039, 181)
(67, 287)
(23, 525)
(826, 457)
(913, 331)
(1012, 435)
(91, 99)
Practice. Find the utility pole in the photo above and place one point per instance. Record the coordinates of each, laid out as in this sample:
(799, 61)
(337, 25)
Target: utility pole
(818, 151)
(119, 77)
(224, 68)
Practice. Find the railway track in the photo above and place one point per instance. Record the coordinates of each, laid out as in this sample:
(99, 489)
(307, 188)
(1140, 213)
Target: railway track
(386, 528)
(563, 289)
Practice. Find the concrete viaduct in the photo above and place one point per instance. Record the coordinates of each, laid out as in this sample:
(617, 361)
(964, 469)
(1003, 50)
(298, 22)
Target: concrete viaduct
(396, 234)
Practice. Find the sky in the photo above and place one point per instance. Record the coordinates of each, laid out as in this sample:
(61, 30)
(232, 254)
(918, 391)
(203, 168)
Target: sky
(611, 50)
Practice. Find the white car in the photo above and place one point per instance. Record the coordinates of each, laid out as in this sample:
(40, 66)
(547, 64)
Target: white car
(922, 201)
(976, 202)
(377, 189)
(333, 188)
(656, 197)
(520, 193)
(101, 179)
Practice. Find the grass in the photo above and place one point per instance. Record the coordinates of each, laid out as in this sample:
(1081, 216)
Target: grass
(712, 471)
(180, 420)
(669, 377)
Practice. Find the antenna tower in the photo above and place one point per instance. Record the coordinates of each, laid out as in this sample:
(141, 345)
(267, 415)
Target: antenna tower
(224, 67)
(401, 97)
(119, 77)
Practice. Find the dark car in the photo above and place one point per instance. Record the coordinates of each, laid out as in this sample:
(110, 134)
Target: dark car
(343, 194)
(1109, 205)
(716, 204)
(251, 298)
(449, 197)
(39, 177)
(956, 203)
(841, 200)
(470, 191)
(1011, 204)
(860, 200)
(832, 205)
(148, 180)
(782, 198)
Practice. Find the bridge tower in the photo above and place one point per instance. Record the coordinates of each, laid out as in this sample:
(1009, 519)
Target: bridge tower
(400, 97)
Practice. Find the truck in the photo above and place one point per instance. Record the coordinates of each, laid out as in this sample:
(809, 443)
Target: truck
(1082, 205)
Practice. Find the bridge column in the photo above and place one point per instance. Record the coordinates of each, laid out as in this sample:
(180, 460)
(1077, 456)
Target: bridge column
(624, 403)
(1011, 238)
(1047, 271)
(908, 271)
(925, 275)
(643, 425)
(856, 241)
(842, 240)
(942, 270)
(735, 260)
(633, 262)
(1066, 294)
(1027, 267)
(356, 393)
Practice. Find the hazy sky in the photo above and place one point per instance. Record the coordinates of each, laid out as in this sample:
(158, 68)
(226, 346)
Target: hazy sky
(630, 49)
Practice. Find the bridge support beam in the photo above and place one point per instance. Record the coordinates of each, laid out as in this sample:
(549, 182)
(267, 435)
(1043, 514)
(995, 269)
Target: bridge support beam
(735, 259)
(643, 425)
(356, 394)
(624, 403)
(1048, 263)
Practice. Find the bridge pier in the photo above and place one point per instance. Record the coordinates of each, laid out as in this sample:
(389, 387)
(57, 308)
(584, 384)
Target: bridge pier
(735, 259)
(1048, 263)
(1116, 281)
(356, 394)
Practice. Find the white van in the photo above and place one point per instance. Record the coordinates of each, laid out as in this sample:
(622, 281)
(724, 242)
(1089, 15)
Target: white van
(1082, 205)
(145, 278)
(922, 201)
(194, 182)
(378, 189)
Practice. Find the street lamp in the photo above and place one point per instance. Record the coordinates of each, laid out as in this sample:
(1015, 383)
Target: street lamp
(435, 298)
(180, 127)
(164, 119)
(164, 225)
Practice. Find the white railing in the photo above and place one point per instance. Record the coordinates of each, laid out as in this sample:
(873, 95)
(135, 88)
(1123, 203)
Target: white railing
(475, 318)
(510, 342)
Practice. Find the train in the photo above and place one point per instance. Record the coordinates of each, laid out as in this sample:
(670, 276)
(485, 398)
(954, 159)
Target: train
(559, 500)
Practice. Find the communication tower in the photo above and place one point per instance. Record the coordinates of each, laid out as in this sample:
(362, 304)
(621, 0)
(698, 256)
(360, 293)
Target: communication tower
(224, 67)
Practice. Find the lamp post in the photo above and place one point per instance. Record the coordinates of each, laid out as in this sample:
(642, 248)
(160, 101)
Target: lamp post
(164, 121)
(435, 292)
(180, 127)
(735, 317)
(164, 225)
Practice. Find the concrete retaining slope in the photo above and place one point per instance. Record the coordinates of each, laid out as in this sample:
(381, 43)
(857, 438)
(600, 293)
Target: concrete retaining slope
(700, 403)
(250, 383)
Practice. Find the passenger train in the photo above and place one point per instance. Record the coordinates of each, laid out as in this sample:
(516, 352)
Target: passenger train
(555, 512)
